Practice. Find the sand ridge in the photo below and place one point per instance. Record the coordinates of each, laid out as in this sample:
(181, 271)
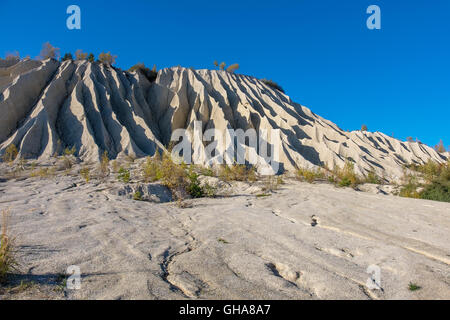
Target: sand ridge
(49, 105)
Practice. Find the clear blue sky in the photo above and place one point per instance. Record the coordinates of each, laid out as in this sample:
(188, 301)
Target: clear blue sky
(395, 80)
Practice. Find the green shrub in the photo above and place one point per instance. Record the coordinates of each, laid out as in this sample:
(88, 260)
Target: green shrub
(413, 287)
(162, 168)
(437, 182)
(363, 127)
(237, 172)
(151, 169)
(175, 176)
(438, 190)
(123, 175)
(332, 179)
(194, 188)
(149, 74)
(346, 176)
(67, 56)
(439, 187)
(430, 170)
(137, 196)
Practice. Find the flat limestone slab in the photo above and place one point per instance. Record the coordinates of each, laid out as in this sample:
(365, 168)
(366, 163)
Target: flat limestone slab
(304, 241)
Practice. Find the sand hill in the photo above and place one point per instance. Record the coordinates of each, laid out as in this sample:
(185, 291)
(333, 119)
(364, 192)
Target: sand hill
(47, 106)
(251, 240)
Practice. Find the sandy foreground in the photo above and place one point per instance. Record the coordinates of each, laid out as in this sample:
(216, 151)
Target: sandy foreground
(304, 241)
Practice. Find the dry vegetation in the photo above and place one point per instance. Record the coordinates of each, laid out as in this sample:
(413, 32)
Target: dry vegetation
(7, 259)
(311, 175)
(427, 181)
(272, 84)
(440, 147)
(232, 68)
(177, 177)
(341, 177)
(85, 173)
(237, 172)
(80, 55)
(104, 165)
(272, 183)
(49, 52)
(107, 58)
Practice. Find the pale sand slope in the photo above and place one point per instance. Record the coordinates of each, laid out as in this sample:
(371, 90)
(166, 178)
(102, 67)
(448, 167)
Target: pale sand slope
(243, 246)
(47, 106)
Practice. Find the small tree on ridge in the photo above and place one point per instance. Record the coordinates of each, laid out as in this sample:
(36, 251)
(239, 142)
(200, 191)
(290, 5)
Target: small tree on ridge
(107, 58)
(233, 68)
(80, 55)
(49, 52)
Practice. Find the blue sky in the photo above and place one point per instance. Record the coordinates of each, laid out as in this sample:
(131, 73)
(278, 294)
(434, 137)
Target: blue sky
(395, 80)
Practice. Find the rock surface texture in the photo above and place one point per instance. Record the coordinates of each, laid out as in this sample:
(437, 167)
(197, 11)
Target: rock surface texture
(306, 241)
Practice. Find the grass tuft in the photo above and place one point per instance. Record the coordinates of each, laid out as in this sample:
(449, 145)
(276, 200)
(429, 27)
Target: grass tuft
(310, 175)
(10, 153)
(104, 165)
(123, 175)
(413, 287)
(7, 255)
(237, 172)
(85, 173)
(221, 240)
(137, 196)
